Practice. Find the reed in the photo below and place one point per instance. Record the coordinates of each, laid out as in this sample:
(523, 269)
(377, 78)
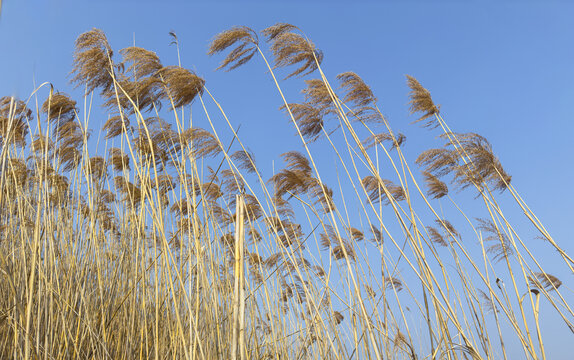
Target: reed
(174, 242)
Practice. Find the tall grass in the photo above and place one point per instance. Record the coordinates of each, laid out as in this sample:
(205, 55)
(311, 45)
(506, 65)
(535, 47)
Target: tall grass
(174, 244)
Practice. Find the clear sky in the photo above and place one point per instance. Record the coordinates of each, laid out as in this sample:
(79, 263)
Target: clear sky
(505, 71)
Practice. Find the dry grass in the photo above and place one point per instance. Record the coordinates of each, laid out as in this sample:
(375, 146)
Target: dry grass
(172, 244)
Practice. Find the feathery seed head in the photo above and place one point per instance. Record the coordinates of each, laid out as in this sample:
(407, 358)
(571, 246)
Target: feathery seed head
(500, 246)
(141, 62)
(14, 118)
(308, 119)
(545, 281)
(181, 85)
(118, 159)
(245, 160)
(61, 107)
(116, 125)
(421, 102)
(93, 64)
(436, 188)
(436, 237)
(246, 40)
(290, 48)
(97, 167)
(357, 91)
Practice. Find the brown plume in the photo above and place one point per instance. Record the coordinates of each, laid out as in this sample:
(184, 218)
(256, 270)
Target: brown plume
(357, 91)
(436, 188)
(143, 94)
(282, 207)
(209, 191)
(245, 160)
(131, 193)
(356, 234)
(290, 48)
(141, 62)
(546, 281)
(115, 126)
(93, 65)
(181, 85)
(42, 143)
(296, 178)
(436, 237)
(393, 283)
(376, 192)
(378, 237)
(97, 167)
(252, 208)
(204, 143)
(181, 208)
(70, 157)
(438, 162)
(317, 94)
(290, 182)
(448, 228)
(231, 184)
(482, 165)
(421, 102)
(323, 196)
(338, 317)
(165, 182)
(338, 252)
(376, 139)
(310, 114)
(278, 29)
(297, 162)
(501, 246)
(308, 119)
(14, 118)
(59, 107)
(118, 159)
(329, 237)
(246, 41)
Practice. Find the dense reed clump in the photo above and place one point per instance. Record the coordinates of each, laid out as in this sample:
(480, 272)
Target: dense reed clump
(167, 239)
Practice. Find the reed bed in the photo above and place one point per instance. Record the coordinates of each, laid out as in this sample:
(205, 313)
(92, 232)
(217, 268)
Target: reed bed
(174, 242)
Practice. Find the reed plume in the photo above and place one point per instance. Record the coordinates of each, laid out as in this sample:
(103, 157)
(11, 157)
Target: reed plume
(308, 118)
(376, 139)
(93, 65)
(204, 143)
(60, 107)
(421, 102)
(448, 228)
(140, 62)
(436, 237)
(181, 85)
(378, 237)
(118, 159)
(116, 125)
(483, 165)
(376, 193)
(545, 281)
(14, 118)
(436, 188)
(501, 247)
(357, 91)
(323, 196)
(438, 162)
(245, 40)
(290, 48)
(245, 159)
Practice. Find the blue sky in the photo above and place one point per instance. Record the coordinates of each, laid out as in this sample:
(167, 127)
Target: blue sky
(505, 71)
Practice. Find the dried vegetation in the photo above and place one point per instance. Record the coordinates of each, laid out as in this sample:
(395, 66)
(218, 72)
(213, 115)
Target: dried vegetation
(174, 242)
